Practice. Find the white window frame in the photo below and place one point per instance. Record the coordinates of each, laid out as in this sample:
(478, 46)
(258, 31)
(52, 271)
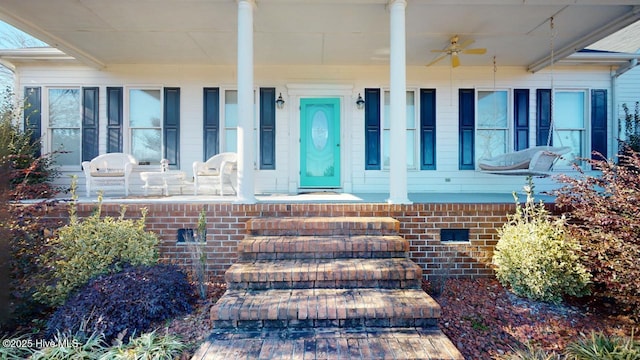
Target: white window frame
(385, 148)
(508, 145)
(50, 146)
(224, 128)
(585, 140)
(223, 139)
(128, 129)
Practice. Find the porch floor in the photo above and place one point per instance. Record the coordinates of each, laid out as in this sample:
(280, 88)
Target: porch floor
(326, 197)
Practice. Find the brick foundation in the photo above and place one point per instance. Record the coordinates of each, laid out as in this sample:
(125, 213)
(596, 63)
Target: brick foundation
(420, 224)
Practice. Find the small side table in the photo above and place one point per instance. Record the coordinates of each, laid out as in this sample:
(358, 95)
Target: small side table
(162, 180)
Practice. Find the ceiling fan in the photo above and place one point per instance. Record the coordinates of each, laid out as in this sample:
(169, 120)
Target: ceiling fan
(455, 49)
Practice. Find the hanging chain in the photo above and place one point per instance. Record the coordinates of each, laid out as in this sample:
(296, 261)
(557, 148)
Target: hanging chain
(495, 70)
(495, 93)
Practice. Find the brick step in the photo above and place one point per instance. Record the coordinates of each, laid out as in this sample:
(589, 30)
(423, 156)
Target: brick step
(403, 343)
(400, 273)
(322, 247)
(323, 226)
(305, 308)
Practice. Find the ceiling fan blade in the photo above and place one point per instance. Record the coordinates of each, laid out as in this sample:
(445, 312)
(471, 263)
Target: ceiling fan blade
(478, 51)
(455, 60)
(437, 59)
(466, 43)
(439, 51)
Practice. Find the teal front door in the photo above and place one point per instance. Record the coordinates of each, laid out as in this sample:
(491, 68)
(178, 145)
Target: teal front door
(320, 143)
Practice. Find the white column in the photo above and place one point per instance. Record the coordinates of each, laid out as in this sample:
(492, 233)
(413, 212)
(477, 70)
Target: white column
(245, 103)
(398, 105)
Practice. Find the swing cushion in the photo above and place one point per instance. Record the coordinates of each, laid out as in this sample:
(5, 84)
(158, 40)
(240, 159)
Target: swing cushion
(504, 166)
(535, 160)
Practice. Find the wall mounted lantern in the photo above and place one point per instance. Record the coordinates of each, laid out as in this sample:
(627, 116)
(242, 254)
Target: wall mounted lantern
(280, 102)
(360, 102)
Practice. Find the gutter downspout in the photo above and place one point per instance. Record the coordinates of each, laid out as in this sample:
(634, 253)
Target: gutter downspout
(615, 111)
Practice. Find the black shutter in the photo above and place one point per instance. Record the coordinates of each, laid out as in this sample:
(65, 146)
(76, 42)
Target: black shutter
(90, 121)
(521, 119)
(466, 123)
(427, 129)
(267, 128)
(33, 115)
(599, 122)
(211, 122)
(171, 128)
(372, 129)
(543, 117)
(114, 119)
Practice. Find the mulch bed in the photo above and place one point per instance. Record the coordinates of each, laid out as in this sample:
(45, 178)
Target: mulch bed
(484, 320)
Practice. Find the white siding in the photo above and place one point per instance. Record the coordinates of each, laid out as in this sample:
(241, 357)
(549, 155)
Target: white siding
(627, 92)
(350, 80)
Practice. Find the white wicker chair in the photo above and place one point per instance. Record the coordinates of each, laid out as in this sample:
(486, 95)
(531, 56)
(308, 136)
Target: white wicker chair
(216, 171)
(108, 171)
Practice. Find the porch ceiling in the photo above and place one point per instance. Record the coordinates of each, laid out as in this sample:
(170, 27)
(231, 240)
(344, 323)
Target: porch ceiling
(313, 32)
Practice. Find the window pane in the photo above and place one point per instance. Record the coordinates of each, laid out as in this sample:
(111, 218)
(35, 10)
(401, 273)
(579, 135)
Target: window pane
(573, 139)
(386, 135)
(231, 140)
(411, 110)
(411, 161)
(146, 145)
(387, 110)
(568, 110)
(64, 108)
(491, 143)
(410, 124)
(68, 142)
(230, 108)
(145, 108)
(492, 109)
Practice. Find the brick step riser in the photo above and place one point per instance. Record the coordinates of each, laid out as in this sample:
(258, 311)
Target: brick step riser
(252, 256)
(327, 323)
(337, 284)
(348, 226)
(322, 232)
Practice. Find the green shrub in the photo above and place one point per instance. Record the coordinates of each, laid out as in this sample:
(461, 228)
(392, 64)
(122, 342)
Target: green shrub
(30, 174)
(79, 345)
(15, 352)
(94, 246)
(535, 257)
(529, 352)
(147, 346)
(66, 346)
(604, 211)
(28, 233)
(599, 346)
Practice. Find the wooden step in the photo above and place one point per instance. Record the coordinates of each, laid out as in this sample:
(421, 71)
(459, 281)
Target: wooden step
(400, 273)
(323, 226)
(262, 247)
(255, 309)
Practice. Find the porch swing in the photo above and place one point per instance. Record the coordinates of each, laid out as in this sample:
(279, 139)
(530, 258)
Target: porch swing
(534, 161)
